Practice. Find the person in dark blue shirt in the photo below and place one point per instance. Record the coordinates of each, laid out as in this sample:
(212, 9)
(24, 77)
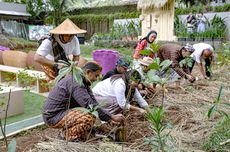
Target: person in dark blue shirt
(122, 66)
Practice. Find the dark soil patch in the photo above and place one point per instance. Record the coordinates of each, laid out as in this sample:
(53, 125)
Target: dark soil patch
(27, 139)
(135, 130)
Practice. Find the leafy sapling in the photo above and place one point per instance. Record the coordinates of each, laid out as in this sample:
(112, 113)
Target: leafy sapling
(70, 68)
(158, 141)
(187, 62)
(216, 106)
(155, 74)
(154, 47)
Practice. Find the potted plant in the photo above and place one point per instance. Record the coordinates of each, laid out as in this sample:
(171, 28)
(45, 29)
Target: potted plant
(25, 79)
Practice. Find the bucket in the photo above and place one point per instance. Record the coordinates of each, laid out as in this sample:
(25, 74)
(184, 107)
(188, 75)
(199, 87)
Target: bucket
(106, 58)
(3, 48)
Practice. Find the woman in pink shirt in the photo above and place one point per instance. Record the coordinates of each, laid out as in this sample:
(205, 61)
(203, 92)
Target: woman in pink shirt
(142, 44)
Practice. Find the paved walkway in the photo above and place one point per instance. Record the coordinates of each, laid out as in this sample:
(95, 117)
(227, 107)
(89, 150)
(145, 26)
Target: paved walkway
(23, 125)
(17, 127)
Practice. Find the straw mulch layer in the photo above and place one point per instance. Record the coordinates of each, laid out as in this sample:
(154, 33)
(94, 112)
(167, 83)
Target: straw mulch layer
(62, 146)
(185, 109)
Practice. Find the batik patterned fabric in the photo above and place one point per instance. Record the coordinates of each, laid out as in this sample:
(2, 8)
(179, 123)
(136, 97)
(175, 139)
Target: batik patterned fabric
(59, 54)
(50, 73)
(75, 124)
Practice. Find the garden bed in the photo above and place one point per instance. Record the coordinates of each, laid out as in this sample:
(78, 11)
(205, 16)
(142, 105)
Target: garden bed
(186, 110)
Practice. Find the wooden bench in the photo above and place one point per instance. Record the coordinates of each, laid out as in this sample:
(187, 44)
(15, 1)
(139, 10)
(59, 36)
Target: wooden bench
(40, 76)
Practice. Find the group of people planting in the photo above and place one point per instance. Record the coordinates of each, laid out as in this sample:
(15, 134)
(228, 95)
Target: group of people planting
(118, 88)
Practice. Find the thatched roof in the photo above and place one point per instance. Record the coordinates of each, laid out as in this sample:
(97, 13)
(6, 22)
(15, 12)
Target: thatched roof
(145, 4)
(71, 5)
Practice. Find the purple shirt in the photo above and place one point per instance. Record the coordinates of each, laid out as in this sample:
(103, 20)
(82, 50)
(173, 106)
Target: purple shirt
(56, 104)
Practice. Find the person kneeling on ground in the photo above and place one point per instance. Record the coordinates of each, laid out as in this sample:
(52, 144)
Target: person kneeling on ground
(122, 66)
(118, 90)
(146, 90)
(73, 122)
(176, 53)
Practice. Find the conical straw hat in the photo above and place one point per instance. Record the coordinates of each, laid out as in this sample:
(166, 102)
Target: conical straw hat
(67, 27)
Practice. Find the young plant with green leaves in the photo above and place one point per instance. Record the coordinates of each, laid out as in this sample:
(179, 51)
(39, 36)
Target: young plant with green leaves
(187, 62)
(219, 138)
(70, 68)
(223, 57)
(217, 105)
(25, 79)
(158, 69)
(154, 47)
(158, 140)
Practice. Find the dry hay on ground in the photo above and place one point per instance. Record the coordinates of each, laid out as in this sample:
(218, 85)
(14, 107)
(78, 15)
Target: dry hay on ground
(185, 109)
(60, 146)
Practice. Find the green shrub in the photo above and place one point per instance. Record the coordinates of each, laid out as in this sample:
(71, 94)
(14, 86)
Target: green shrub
(105, 9)
(218, 8)
(198, 9)
(94, 18)
(18, 43)
(25, 79)
(215, 28)
(226, 8)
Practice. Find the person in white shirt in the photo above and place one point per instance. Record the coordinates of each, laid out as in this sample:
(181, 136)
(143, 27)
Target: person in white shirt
(59, 46)
(117, 92)
(201, 23)
(203, 51)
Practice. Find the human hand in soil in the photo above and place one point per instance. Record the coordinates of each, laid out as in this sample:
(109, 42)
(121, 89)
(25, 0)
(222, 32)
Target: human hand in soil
(191, 78)
(203, 77)
(147, 109)
(140, 86)
(117, 119)
(150, 90)
(60, 65)
(142, 111)
(133, 84)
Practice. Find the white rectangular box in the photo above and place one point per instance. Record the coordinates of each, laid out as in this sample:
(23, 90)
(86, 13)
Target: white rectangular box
(16, 103)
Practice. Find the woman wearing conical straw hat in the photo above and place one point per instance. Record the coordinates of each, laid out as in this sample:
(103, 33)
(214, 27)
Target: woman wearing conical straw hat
(59, 46)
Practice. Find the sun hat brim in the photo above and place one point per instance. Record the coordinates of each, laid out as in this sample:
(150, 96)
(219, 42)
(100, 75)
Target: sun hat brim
(67, 27)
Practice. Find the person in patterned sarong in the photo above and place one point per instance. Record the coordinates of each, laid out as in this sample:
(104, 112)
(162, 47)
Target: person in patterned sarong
(59, 46)
(60, 113)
